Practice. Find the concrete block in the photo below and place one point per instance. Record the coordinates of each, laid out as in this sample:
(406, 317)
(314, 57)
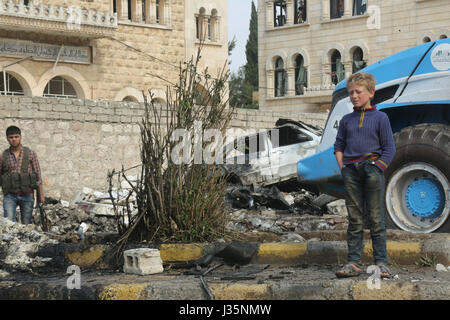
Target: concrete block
(142, 261)
(439, 248)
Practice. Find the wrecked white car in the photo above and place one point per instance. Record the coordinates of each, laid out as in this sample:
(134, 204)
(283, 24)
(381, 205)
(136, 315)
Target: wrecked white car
(270, 156)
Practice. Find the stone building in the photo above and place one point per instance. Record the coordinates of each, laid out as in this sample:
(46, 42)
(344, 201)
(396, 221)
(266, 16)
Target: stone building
(106, 49)
(307, 46)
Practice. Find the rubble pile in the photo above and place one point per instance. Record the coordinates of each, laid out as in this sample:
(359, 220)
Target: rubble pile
(19, 244)
(270, 210)
(65, 219)
(280, 223)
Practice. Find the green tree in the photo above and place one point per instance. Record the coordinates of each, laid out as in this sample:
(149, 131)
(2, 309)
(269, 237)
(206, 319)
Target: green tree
(231, 46)
(241, 91)
(251, 51)
(245, 81)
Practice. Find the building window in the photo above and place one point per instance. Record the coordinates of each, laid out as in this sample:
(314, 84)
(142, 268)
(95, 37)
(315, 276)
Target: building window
(358, 60)
(129, 9)
(141, 11)
(359, 7)
(199, 21)
(13, 87)
(144, 10)
(443, 36)
(209, 29)
(158, 11)
(426, 39)
(197, 27)
(207, 25)
(129, 99)
(280, 13)
(301, 75)
(337, 68)
(215, 26)
(336, 9)
(59, 87)
(299, 11)
(280, 78)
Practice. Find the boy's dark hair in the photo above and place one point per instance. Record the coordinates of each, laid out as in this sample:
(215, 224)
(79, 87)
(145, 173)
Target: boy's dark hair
(12, 130)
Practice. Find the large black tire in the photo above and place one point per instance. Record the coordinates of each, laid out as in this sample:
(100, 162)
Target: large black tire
(423, 153)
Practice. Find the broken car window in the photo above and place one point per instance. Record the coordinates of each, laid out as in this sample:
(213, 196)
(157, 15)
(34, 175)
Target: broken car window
(289, 135)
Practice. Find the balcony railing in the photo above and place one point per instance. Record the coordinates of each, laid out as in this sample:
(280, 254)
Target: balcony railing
(57, 20)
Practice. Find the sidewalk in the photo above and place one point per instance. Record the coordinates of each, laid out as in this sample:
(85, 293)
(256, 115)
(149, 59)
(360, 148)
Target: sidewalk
(274, 283)
(284, 271)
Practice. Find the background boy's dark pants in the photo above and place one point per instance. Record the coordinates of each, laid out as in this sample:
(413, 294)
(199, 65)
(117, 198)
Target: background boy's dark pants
(364, 184)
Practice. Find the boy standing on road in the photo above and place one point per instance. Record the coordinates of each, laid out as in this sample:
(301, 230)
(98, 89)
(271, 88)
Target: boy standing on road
(364, 148)
(20, 175)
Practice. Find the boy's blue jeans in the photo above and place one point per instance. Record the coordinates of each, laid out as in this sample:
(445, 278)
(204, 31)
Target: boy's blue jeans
(25, 202)
(365, 185)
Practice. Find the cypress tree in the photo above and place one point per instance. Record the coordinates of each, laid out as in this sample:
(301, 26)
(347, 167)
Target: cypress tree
(251, 51)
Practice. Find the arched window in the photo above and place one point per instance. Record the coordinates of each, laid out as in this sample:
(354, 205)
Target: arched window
(280, 78)
(142, 11)
(301, 75)
(199, 20)
(426, 39)
(214, 26)
(130, 99)
(337, 68)
(159, 101)
(443, 36)
(358, 60)
(299, 11)
(59, 87)
(279, 13)
(12, 88)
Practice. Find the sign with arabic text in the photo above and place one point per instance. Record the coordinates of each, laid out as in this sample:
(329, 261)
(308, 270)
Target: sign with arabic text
(46, 52)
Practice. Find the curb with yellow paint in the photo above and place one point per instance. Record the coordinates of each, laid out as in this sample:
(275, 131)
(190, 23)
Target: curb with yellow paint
(281, 253)
(402, 253)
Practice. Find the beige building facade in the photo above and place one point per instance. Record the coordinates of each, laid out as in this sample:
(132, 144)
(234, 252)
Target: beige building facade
(106, 49)
(307, 46)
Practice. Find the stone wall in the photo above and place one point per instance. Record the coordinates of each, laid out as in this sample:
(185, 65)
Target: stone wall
(79, 141)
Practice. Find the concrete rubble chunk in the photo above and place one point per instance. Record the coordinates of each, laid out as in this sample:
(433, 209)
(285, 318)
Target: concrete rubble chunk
(337, 207)
(142, 261)
(441, 267)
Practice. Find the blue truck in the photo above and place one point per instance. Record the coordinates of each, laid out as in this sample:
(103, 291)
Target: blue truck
(413, 89)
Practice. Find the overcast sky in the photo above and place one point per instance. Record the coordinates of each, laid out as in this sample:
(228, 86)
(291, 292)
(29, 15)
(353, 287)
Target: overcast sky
(239, 12)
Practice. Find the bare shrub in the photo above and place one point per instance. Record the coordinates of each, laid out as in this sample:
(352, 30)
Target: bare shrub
(177, 198)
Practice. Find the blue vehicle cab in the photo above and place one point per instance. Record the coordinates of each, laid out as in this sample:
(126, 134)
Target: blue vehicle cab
(413, 89)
